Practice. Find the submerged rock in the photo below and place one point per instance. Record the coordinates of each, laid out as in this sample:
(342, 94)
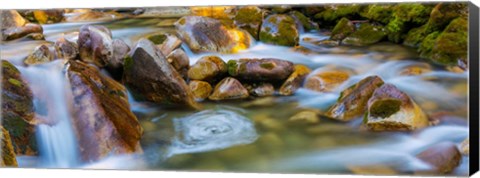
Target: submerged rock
(229, 88)
(250, 19)
(9, 158)
(326, 81)
(352, 102)
(103, 121)
(444, 157)
(260, 89)
(295, 80)
(343, 29)
(150, 77)
(204, 34)
(200, 89)
(66, 49)
(48, 16)
(180, 61)
(267, 69)
(18, 110)
(18, 32)
(208, 68)
(279, 29)
(389, 109)
(305, 117)
(41, 54)
(366, 34)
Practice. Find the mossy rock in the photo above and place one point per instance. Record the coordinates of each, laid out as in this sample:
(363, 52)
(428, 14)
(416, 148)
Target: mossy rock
(250, 19)
(450, 46)
(9, 157)
(307, 24)
(157, 39)
(343, 28)
(378, 12)
(279, 29)
(333, 13)
(415, 36)
(208, 68)
(443, 13)
(367, 34)
(404, 17)
(295, 80)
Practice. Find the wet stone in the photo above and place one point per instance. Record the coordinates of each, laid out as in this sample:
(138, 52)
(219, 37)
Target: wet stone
(266, 69)
(65, 49)
(208, 68)
(295, 80)
(261, 89)
(200, 89)
(180, 61)
(326, 81)
(444, 157)
(40, 55)
(229, 88)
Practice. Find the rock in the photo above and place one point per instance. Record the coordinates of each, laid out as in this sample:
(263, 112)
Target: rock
(166, 42)
(326, 81)
(103, 121)
(204, 34)
(305, 117)
(343, 29)
(95, 44)
(120, 51)
(11, 19)
(443, 13)
(295, 80)
(18, 110)
(444, 157)
(416, 70)
(267, 69)
(332, 13)
(208, 68)
(200, 89)
(279, 9)
(367, 34)
(66, 49)
(217, 12)
(41, 54)
(149, 75)
(378, 12)
(352, 102)
(304, 22)
(465, 147)
(18, 32)
(310, 11)
(260, 89)
(91, 15)
(448, 47)
(35, 36)
(404, 16)
(250, 19)
(48, 16)
(279, 29)
(179, 60)
(229, 88)
(9, 157)
(390, 109)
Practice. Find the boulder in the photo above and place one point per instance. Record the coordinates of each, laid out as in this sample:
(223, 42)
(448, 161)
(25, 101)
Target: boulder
(208, 68)
(48, 16)
(9, 157)
(343, 29)
(352, 102)
(279, 29)
(326, 80)
(260, 89)
(200, 89)
(444, 157)
(18, 111)
(102, 120)
(150, 77)
(65, 49)
(295, 80)
(390, 109)
(250, 19)
(229, 88)
(366, 34)
(266, 69)
(11, 19)
(95, 44)
(204, 34)
(180, 61)
(19, 32)
(41, 54)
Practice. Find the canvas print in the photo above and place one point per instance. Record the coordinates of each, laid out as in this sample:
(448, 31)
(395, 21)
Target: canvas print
(367, 88)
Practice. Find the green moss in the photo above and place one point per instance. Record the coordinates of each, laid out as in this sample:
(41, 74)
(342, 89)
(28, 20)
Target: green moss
(279, 30)
(267, 65)
(305, 21)
(157, 39)
(367, 34)
(385, 108)
(415, 36)
(404, 17)
(15, 82)
(127, 63)
(443, 13)
(332, 14)
(427, 44)
(343, 28)
(378, 12)
(249, 18)
(232, 67)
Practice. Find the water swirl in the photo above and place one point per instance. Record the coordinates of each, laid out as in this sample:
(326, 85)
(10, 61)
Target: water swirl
(211, 130)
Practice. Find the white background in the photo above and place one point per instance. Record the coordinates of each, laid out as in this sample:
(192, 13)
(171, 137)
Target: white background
(45, 4)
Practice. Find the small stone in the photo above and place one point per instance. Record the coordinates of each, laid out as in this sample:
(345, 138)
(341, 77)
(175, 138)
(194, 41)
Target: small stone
(208, 68)
(180, 61)
(40, 55)
(48, 16)
(170, 43)
(229, 88)
(260, 102)
(250, 19)
(444, 157)
(262, 89)
(295, 80)
(200, 89)
(95, 44)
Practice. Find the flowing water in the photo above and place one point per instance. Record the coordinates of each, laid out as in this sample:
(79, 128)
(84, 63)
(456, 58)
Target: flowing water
(243, 136)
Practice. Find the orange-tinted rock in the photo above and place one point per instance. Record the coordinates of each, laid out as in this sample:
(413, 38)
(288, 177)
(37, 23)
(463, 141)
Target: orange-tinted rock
(41, 54)
(200, 89)
(229, 88)
(208, 68)
(326, 81)
(295, 80)
(18, 32)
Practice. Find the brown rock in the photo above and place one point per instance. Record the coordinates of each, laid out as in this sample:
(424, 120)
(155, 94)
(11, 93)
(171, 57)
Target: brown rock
(443, 157)
(102, 117)
(170, 43)
(200, 89)
(9, 157)
(180, 61)
(229, 88)
(48, 16)
(295, 80)
(261, 89)
(267, 69)
(352, 102)
(18, 32)
(18, 110)
(65, 49)
(326, 81)
(41, 54)
(150, 77)
(208, 68)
